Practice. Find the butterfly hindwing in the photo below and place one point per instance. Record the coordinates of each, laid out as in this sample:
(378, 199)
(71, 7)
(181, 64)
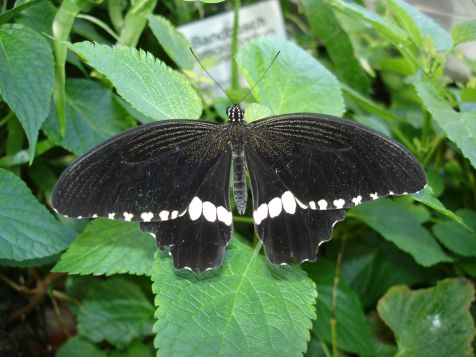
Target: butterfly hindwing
(332, 163)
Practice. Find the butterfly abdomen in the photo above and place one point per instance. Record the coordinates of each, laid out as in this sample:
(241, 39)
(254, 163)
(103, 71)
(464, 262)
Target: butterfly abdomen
(240, 190)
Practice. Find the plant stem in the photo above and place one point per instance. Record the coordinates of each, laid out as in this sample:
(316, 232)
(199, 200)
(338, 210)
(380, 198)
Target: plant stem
(235, 85)
(62, 25)
(135, 21)
(333, 320)
(114, 8)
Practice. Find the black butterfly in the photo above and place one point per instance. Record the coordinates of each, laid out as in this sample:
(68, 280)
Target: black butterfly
(174, 178)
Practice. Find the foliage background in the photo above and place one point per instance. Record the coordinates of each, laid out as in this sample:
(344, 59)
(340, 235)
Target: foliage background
(395, 279)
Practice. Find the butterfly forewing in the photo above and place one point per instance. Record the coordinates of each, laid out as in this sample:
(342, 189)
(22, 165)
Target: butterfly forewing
(331, 163)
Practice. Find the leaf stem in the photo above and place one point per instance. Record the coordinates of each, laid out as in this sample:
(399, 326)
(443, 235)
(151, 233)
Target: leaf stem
(333, 320)
(135, 21)
(235, 85)
(114, 8)
(62, 25)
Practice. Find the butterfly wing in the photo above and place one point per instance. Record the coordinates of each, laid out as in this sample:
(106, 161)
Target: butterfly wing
(320, 165)
(161, 174)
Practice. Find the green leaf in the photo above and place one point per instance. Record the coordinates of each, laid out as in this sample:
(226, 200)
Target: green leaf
(372, 269)
(93, 115)
(327, 28)
(255, 111)
(146, 83)
(135, 349)
(464, 32)
(426, 197)
(174, 43)
(249, 307)
(460, 127)
(304, 84)
(386, 28)
(78, 346)
(458, 238)
(27, 229)
(401, 227)
(420, 26)
(115, 318)
(12, 13)
(431, 322)
(26, 72)
(109, 247)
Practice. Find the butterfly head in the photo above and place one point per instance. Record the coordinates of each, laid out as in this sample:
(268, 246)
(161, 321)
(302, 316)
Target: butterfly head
(235, 113)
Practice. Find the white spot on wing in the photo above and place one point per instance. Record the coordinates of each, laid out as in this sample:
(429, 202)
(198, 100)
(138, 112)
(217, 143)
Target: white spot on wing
(153, 235)
(164, 215)
(339, 203)
(288, 202)
(128, 216)
(79, 217)
(261, 213)
(275, 207)
(302, 205)
(209, 211)
(111, 215)
(322, 204)
(174, 215)
(312, 204)
(390, 193)
(224, 216)
(147, 216)
(374, 196)
(357, 200)
(95, 215)
(188, 268)
(195, 208)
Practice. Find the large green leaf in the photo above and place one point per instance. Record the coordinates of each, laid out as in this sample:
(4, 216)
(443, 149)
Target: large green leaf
(420, 26)
(27, 230)
(464, 32)
(351, 328)
(296, 82)
(401, 227)
(114, 316)
(249, 307)
(456, 237)
(431, 322)
(460, 127)
(93, 115)
(146, 83)
(109, 247)
(26, 72)
(327, 28)
(174, 43)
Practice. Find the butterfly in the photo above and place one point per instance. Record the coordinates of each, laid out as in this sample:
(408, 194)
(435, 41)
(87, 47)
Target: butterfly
(174, 178)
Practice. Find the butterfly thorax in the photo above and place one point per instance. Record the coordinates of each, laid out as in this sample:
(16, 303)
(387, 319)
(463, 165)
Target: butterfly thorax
(237, 130)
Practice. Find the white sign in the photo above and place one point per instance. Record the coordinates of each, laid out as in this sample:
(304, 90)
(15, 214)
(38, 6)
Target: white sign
(212, 36)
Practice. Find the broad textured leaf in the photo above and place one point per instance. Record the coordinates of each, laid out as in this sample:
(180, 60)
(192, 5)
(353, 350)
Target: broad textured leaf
(93, 115)
(327, 28)
(38, 17)
(26, 72)
(174, 43)
(386, 28)
(460, 127)
(146, 83)
(115, 318)
(352, 331)
(426, 197)
(304, 84)
(464, 32)
(456, 237)
(400, 226)
(431, 322)
(420, 26)
(248, 307)
(27, 229)
(78, 346)
(109, 247)
(255, 111)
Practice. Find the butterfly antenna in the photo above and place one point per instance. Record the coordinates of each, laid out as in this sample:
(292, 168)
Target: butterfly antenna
(209, 75)
(262, 76)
